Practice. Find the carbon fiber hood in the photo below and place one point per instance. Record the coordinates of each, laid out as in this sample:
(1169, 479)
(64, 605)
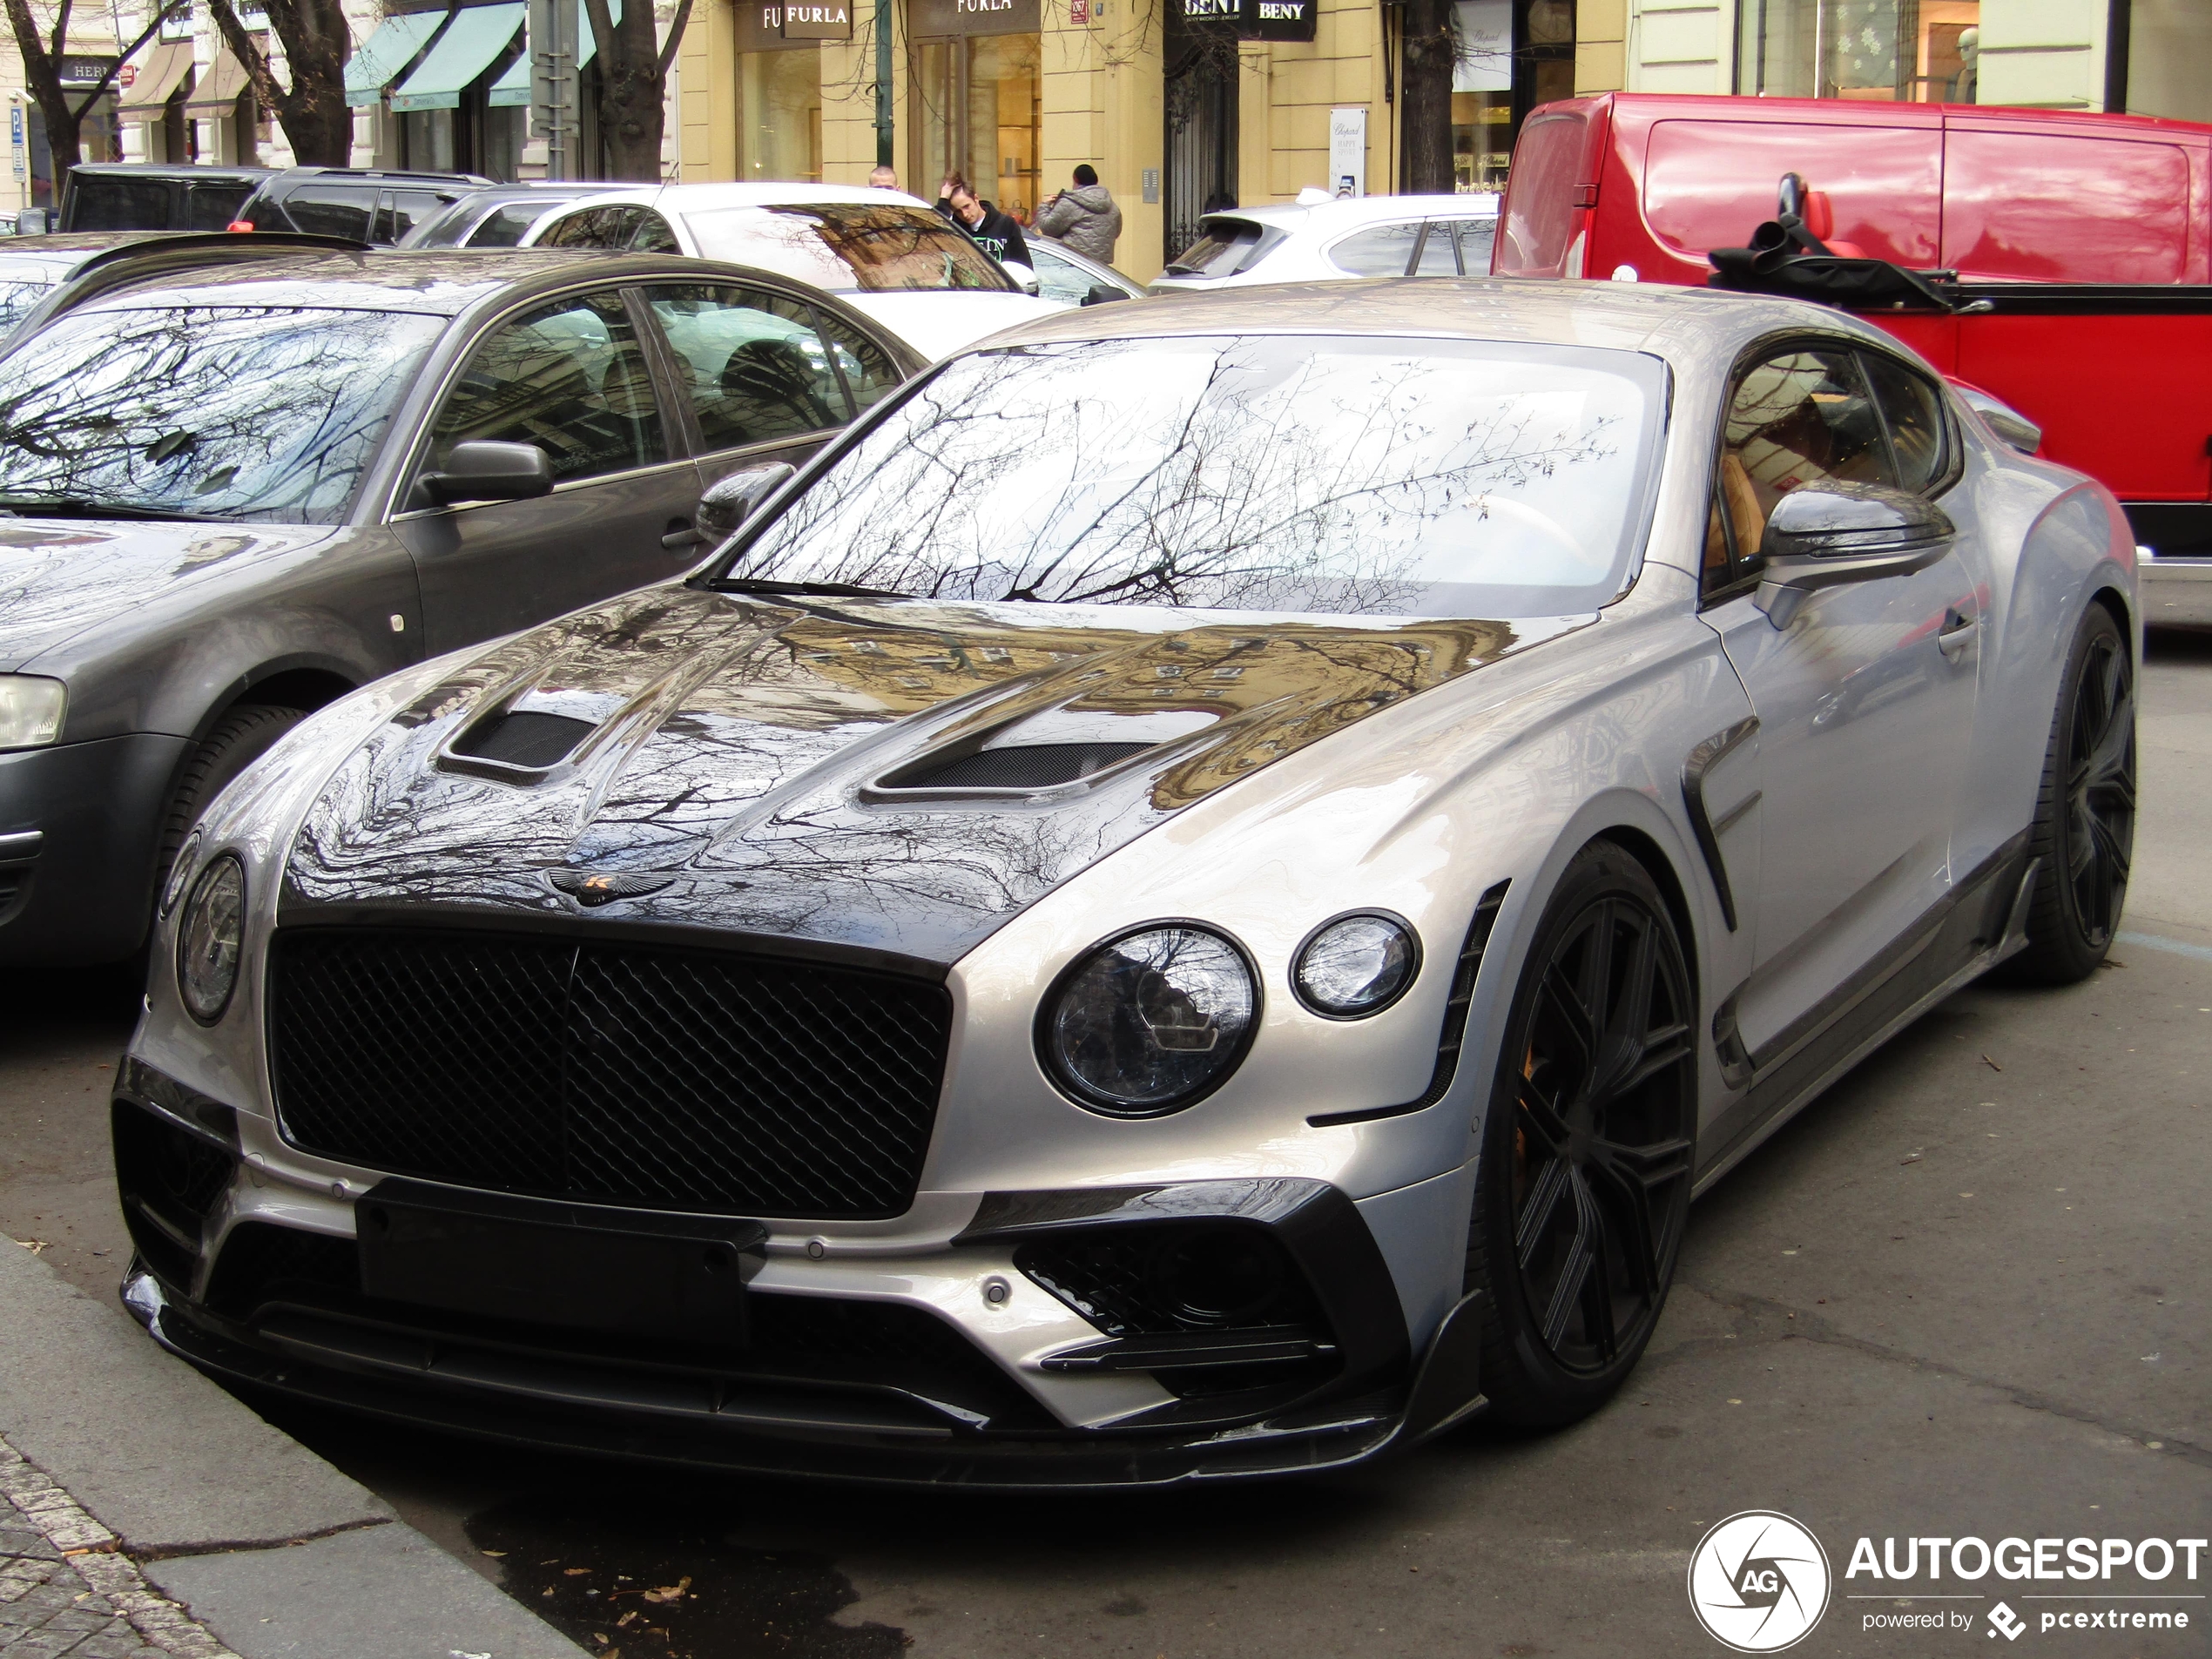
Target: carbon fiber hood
(738, 762)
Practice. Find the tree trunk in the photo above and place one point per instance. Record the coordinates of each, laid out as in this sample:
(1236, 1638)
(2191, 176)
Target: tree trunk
(311, 110)
(41, 74)
(633, 84)
(1426, 90)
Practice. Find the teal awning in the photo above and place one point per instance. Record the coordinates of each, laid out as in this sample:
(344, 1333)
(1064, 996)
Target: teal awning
(385, 55)
(512, 89)
(472, 40)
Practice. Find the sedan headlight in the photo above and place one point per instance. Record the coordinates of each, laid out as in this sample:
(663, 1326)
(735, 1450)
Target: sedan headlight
(1356, 965)
(1150, 1021)
(31, 711)
(210, 940)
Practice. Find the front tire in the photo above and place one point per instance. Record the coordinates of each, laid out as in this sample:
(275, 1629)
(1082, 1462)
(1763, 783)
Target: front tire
(2084, 813)
(240, 737)
(1583, 1187)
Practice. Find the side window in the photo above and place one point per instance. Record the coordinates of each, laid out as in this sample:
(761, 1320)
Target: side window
(653, 235)
(400, 211)
(1057, 278)
(1476, 237)
(1912, 410)
(1386, 250)
(212, 207)
(506, 227)
(1800, 418)
(1438, 255)
(569, 377)
(332, 210)
(594, 227)
(755, 369)
(870, 375)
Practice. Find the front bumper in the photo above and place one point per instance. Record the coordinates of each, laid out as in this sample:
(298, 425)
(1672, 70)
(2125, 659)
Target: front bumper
(1013, 1356)
(83, 890)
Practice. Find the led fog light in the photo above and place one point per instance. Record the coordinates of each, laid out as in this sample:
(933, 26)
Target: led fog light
(1356, 965)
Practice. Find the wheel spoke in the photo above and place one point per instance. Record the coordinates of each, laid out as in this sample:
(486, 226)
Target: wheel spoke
(1569, 1290)
(1561, 997)
(1634, 1173)
(1536, 1216)
(1597, 1289)
(1668, 1046)
(1539, 1116)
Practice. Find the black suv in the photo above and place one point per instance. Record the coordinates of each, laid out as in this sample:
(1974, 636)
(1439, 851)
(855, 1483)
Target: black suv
(364, 204)
(149, 196)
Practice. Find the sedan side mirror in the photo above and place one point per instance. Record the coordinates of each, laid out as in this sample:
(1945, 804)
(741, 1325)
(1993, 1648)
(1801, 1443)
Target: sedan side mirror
(484, 469)
(1827, 534)
(1024, 278)
(1101, 293)
(729, 502)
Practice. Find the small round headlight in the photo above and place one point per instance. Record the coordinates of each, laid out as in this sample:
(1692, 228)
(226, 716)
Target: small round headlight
(210, 938)
(1150, 1021)
(1356, 965)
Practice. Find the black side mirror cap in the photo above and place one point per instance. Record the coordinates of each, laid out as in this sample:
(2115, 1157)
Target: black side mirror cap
(729, 502)
(1825, 534)
(484, 469)
(1101, 294)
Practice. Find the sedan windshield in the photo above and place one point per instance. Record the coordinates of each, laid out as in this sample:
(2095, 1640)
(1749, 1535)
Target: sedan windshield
(1347, 476)
(204, 412)
(850, 248)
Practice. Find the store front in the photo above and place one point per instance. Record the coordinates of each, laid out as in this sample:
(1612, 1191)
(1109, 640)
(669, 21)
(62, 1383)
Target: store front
(977, 94)
(1514, 55)
(779, 86)
(448, 121)
(1906, 52)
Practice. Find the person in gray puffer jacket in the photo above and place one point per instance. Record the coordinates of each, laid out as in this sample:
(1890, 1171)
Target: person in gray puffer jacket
(1085, 218)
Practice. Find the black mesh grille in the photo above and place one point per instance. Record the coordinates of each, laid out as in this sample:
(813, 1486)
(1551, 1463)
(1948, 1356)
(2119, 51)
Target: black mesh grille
(525, 738)
(671, 1080)
(1030, 765)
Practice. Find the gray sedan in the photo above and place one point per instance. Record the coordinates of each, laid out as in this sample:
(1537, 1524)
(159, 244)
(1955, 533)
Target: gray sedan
(225, 504)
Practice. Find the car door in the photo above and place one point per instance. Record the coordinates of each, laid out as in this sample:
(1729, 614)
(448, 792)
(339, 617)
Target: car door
(1864, 701)
(573, 376)
(766, 377)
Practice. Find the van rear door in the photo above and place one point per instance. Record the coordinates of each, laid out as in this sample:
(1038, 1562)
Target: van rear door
(1544, 220)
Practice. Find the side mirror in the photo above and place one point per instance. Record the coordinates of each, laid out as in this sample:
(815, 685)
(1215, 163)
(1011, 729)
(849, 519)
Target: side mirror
(1024, 278)
(1101, 294)
(483, 469)
(1825, 534)
(729, 502)
(34, 221)
(2011, 427)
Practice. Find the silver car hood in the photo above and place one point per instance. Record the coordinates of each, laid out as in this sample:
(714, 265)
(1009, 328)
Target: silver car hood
(753, 767)
(59, 577)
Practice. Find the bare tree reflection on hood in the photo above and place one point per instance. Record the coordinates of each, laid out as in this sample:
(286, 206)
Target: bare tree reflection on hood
(1355, 477)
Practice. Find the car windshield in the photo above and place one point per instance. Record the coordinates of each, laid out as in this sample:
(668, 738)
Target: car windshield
(1346, 476)
(850, 248)
(259, 413)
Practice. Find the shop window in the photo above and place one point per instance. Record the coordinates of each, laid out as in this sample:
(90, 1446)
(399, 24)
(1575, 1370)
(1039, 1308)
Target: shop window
(979, 102)
(779, 115)
(1912, 51)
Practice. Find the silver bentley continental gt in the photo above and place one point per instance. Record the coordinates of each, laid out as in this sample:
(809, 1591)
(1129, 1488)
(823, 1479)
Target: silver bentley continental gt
(1194, 897)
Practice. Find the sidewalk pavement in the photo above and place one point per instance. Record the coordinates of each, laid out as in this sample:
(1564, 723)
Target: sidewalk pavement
(145, 1511)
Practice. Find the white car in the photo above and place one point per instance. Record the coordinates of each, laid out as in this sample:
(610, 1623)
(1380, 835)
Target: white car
(1371, 236)
(886, 253)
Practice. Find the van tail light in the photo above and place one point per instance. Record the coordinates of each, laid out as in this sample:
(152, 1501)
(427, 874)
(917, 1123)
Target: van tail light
(240, 224)
(1577, 251)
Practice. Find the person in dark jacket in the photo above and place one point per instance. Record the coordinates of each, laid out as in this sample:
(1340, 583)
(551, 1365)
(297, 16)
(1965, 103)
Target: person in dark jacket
(1086, 218)
(998, 234)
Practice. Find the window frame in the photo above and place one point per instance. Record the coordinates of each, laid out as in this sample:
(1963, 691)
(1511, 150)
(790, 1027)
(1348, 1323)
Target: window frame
(1743, 569)
(664, 353)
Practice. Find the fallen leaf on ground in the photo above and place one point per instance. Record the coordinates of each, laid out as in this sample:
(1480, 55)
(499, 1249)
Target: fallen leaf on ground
(574, 1572)
(668, 1593)
(494, 1554)
(1911, 1158)
(1992, 1064)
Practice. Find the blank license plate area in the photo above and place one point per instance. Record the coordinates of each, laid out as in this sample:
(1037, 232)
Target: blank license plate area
(559, 1269)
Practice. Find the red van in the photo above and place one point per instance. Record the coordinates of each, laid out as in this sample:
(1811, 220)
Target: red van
(2047, 213)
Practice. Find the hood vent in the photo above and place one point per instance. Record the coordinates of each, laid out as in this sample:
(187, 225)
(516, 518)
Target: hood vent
(1023, 765)
(524, 738)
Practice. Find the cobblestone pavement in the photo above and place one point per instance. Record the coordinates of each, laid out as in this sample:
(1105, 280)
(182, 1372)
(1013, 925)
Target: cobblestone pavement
(64, 1589)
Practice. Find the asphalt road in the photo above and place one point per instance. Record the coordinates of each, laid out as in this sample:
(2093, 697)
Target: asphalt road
(1963, 1295)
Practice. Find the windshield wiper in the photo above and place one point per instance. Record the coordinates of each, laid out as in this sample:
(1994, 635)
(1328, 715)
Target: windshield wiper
(827, 589)
(23, 507)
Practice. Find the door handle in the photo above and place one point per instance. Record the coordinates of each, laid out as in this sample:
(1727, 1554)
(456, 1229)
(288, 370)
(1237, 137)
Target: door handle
(681, 534)
(1958, 632)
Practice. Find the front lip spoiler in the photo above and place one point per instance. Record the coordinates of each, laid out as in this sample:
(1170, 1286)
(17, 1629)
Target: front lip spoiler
(1310, 1442)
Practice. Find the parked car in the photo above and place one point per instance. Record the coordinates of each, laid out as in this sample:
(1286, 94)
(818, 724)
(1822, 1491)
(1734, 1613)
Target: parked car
(1026, 983)
(154, 196)
(365, 204)
(1075, 278)
(498, 216)
(2038, 210)
(231, 496)
(42, 277)
(1370, 236)
(882, 251)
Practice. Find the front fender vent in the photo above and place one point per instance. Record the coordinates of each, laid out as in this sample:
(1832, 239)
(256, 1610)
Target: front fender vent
(1025, 765)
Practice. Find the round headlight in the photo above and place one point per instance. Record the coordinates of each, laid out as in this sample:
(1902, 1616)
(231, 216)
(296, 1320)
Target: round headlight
(1356, 965)
(210, 938)
(1150, 1021)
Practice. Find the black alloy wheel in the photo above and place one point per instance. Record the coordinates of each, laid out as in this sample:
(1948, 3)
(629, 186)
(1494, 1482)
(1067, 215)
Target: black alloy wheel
(2084, 819)
(1584, 1189)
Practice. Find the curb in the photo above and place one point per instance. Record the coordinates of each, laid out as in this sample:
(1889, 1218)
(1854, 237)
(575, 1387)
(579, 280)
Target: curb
(213, 1534)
